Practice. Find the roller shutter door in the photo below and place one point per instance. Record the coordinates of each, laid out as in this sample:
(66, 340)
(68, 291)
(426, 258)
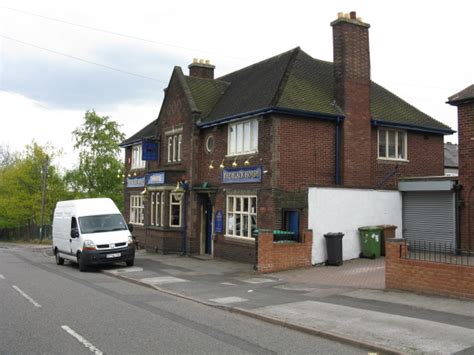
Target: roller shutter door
(429, 216)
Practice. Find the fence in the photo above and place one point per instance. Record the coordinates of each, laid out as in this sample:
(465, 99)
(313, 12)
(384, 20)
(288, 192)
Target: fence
(443, 253)
(26, 233)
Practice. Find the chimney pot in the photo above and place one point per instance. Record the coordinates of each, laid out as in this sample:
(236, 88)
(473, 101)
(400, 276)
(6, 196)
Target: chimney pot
(346, 15)
(353, 15)
(340, 14)
(208, 61)
(195, 60)
(201, 61)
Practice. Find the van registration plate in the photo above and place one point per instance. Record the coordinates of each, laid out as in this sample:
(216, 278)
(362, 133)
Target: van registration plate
(114, 255)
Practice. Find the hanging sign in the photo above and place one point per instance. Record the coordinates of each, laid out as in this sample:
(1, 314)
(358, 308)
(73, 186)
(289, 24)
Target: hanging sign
(149, 150)
(242, 175)
(218, 222)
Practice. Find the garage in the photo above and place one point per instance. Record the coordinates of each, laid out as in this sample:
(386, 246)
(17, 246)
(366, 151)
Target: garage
(429, 210)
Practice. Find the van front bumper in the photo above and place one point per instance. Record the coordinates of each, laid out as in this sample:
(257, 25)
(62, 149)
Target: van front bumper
(109, 256)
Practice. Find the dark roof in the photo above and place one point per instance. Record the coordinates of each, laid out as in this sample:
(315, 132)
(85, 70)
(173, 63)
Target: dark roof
(463, 95)
(296, 81)
(451, 155)
(147, 132)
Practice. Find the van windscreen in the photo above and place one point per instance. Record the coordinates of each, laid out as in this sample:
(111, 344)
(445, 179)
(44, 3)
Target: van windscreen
(102, 223)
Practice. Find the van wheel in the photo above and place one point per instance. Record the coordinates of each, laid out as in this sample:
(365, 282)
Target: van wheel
(130, 262)
(59, 260)
(80, 262)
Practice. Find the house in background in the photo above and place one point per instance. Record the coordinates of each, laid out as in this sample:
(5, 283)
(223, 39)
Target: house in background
(230, 155)
(451, 167)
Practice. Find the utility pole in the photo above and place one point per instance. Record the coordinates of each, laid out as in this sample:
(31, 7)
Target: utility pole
(44, 177)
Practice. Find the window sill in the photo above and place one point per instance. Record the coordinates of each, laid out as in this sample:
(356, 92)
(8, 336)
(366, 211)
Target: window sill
(229, 155)
(393, 160)
(138, 169)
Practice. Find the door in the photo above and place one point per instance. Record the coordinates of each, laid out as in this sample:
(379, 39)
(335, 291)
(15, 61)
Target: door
(429, 216)
(208, 226)
(75, 243)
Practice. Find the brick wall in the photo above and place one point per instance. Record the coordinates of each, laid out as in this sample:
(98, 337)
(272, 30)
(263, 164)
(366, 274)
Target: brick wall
(425, 158)
(283, 256)
(424, 276)
(236, 249)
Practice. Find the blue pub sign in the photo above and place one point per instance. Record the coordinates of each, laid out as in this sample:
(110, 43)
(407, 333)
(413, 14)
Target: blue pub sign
(242, 175)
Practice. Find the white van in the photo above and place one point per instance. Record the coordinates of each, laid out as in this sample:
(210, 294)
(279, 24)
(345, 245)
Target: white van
(91, 232)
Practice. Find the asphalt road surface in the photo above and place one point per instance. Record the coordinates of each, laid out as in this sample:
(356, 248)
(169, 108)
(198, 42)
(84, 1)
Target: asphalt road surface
(46, 308)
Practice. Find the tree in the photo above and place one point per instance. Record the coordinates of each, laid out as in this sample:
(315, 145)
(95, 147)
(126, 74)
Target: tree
(97, 141)
(30, 186)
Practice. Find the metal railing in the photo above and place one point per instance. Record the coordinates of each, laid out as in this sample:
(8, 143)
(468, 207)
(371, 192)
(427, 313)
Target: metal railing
(435, 252)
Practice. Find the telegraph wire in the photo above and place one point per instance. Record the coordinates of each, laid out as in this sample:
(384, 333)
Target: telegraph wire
(82, 59)
(119, 34)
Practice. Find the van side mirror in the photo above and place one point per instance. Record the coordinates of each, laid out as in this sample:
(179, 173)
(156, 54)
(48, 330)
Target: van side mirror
(74, 233)
(130, 227)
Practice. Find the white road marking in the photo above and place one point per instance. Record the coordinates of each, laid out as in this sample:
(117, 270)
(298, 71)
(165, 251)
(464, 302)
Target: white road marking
(162, 280)
(2, 277)
(257, 280)
(126, 269)
(26, 296)
(82, 340)
(227, 300)
(228, 284)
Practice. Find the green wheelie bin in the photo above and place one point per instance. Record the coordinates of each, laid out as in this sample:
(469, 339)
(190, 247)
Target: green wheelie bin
(370, 238)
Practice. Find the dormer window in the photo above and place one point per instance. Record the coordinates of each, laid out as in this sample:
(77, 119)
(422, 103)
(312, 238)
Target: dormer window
(243, 138)
(137, 162)
(392, 144)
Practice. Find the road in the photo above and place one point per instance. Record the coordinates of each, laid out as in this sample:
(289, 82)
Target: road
(46, 308)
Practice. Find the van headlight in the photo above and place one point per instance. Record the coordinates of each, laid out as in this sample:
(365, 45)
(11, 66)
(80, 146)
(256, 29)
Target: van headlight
(130, 240)
(88, 245)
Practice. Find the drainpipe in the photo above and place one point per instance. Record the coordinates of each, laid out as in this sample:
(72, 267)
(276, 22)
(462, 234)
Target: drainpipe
(184, 185)
(337, 177)
(457, 214)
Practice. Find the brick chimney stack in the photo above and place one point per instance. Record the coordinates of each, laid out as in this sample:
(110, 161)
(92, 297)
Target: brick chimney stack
(201, 68)
(352, 94)
(464, 100)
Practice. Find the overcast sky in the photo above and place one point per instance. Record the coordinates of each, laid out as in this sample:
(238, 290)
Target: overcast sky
(57, 58)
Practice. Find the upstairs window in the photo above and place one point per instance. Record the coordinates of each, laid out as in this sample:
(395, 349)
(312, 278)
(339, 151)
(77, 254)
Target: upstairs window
(137, 162)
(392, 144)
(243, 138)
(174, 148)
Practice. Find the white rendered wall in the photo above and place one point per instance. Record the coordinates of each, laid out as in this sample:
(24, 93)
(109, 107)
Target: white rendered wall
(345, 210)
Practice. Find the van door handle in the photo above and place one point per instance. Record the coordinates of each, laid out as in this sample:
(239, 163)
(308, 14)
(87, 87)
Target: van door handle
(70, 240)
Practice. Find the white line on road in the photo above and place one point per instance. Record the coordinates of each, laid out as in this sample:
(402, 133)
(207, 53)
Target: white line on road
(26, 296)
(82, 340)
(2, 277)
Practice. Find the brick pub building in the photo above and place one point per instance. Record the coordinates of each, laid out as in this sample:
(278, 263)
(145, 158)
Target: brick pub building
(233, 154)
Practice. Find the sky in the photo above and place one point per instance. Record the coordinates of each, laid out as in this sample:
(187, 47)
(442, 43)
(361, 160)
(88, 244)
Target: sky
(59, 59)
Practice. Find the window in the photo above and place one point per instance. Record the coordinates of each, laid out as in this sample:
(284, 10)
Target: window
(136, 209)
(174, 148)
(243, 138)
(175, 209)
(241, 216)
(137, 162)
(392, 144)
(156, 208)
(210, 143)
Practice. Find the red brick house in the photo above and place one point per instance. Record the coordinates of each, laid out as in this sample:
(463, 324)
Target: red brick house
(464, 100)
(232, 154)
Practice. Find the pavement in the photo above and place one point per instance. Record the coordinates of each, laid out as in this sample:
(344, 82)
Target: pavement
(346, 303)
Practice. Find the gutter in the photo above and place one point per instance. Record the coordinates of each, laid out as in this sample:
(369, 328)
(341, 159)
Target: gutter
(377, 123)
(269, 110)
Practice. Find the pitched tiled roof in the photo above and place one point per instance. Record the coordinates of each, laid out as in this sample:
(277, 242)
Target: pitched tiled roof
(147, 132)
(463, 95)
(296, 81)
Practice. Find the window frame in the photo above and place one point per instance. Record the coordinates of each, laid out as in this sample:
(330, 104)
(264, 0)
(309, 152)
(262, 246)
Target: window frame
(157, 208)
(237, 137)
(137, 210)
(136, 161)
(387, 146)
(234, 212)
(174, 142)
(179, 203)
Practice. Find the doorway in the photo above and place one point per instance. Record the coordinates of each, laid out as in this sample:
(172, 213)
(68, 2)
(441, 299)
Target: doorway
(207, 225)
